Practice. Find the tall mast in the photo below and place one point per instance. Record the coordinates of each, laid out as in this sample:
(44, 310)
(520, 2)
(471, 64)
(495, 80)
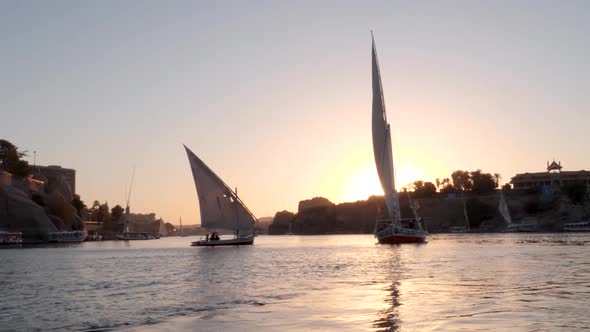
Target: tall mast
(127, 212)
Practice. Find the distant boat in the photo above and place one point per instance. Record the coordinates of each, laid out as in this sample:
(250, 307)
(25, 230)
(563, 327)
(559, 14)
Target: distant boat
(127, 235)
(462, 229)
(66, 236)
(525, 226)
(583, 226)
(10, 239)
(392, 229)
(221, 208)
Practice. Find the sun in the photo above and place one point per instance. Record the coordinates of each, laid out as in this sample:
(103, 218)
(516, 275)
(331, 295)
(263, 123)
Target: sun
(363, 183)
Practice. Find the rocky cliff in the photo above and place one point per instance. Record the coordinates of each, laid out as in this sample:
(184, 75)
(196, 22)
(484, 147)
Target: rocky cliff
(37, 206)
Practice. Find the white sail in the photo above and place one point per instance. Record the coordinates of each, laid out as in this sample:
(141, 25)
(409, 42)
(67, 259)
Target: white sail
(220, 206)
(503, 208)
(382, 142)
(466, 216)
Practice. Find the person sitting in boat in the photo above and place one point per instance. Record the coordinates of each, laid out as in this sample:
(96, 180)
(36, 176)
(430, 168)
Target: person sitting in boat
(214, 236)
(207, 237)
(412, 224)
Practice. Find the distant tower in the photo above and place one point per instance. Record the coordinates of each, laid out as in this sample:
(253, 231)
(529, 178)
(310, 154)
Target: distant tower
(554, 167)
(554, 170)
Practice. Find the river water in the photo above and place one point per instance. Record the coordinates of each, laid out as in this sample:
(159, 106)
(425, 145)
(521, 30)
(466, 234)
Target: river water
(464, 282)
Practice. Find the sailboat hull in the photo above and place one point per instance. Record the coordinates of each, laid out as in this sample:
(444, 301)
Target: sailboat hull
(399, 235)
(241, 241)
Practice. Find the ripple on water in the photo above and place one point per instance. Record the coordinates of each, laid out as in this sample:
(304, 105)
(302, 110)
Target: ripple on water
(466, 282)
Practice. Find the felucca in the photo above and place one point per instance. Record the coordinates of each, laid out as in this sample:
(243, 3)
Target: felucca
(390, 229)
(221, 209)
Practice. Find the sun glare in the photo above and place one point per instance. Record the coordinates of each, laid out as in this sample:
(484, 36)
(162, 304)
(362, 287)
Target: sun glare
(363, 184)
(406, 174)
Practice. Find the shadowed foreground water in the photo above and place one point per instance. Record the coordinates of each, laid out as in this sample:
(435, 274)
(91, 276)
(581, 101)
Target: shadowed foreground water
(538, 282)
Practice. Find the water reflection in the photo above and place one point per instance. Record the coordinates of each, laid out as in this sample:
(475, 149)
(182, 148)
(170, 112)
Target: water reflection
(389, 318)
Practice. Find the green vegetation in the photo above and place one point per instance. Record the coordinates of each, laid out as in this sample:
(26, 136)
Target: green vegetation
(170, 228)
(117, 213)
(11, 159)
(423, 189)
(281, 221)
(475, 181)
(99, 212)
(79, 205)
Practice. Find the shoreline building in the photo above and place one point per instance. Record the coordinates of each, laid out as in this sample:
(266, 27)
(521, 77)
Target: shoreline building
(553, 177)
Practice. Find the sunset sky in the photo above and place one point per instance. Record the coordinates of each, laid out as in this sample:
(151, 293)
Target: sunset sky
(275, 96)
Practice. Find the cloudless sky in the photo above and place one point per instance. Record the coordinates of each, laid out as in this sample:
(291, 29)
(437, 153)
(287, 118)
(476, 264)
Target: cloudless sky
(275, 96)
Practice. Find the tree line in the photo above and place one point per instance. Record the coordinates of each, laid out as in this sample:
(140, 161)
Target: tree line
(476, 182)
(11, 159)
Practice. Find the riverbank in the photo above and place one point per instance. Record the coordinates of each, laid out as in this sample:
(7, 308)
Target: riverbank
(440, 213)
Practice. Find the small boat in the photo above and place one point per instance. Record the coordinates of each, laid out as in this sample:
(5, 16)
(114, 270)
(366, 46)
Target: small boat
(238, 241)
(462, 229)
(582, 226)
(66, 236)
(221, 208)
(392, 229)
(10, 238)
(127, 235)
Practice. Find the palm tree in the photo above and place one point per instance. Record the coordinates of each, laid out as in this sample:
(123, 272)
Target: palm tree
(497, 176)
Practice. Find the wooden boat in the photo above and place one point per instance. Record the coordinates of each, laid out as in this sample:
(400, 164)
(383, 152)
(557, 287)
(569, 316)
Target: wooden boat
(238, 241)
(392, 229)
(221, 208)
